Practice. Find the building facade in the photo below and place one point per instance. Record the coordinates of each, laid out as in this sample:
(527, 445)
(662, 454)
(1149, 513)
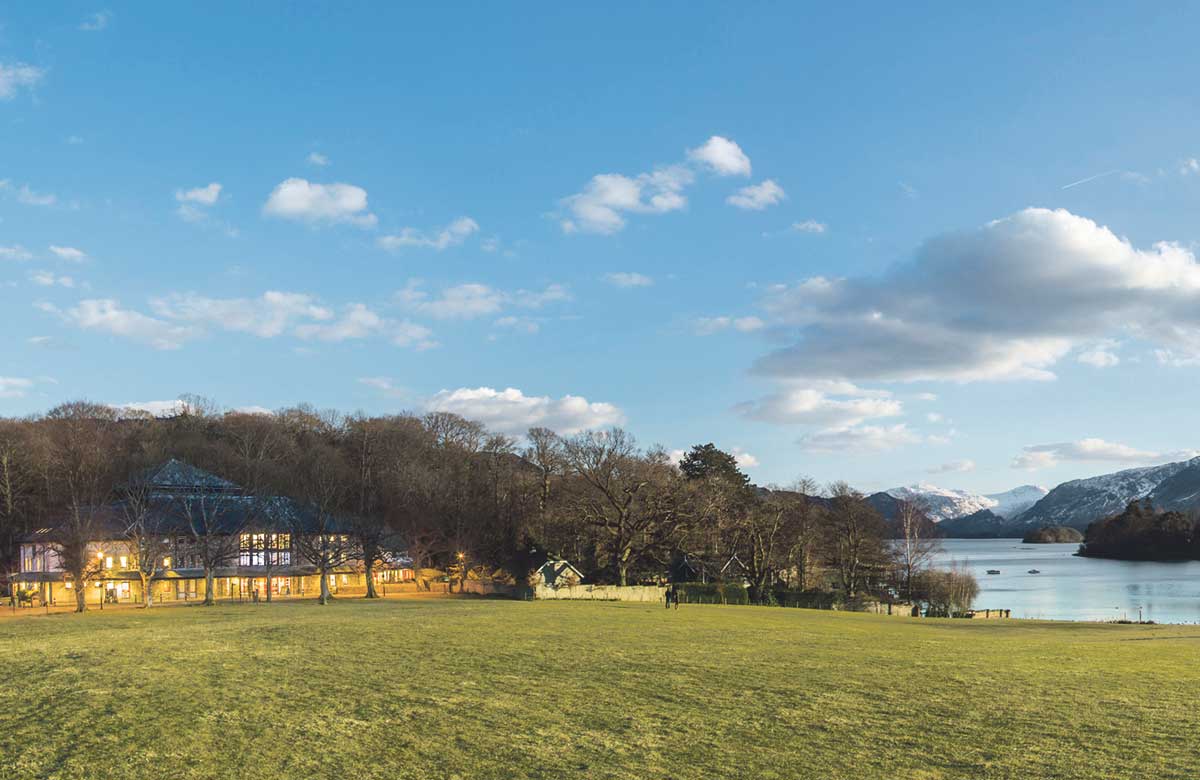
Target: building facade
(194, 516)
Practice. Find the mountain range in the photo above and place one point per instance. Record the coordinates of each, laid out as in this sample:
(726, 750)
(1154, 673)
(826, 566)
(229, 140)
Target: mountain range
(1075, 504)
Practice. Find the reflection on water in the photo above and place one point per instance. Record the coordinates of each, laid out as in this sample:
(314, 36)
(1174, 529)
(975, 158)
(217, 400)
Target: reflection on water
(1073, 588)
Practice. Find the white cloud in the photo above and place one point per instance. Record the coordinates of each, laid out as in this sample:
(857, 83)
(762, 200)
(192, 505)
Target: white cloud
(96, 22)
(865, 438)
(1100, 355)
(933, 417)
(16, 75)
(205, 196)
(317, 159)
(14, 387)
(1005, 301)
(520, 324)
(511, 411)
(266, 316)
(472, 300)
(828, 404)
(15, 252)
(757, 197)
(68, 253)
(810, 226)
(1040, 456)
(453, 234)
(628, 279)
(926, 396)
(1189, 166)
(49, 279)
(707, 326)
(360, 322)
(953, 467)
(744, 459)
(31, 198)
(107, 315)
(386, 385)
(722, 156)
(304, 201)
(599, 207)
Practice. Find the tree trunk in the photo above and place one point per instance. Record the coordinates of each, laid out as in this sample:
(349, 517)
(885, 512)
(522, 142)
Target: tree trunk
(325, 595)
(370, 574)
(80, 596)
(147, 596)
(210, 595)
(622, 571)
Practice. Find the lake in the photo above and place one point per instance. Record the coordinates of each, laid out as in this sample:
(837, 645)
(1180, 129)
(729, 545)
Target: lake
(1073, 588)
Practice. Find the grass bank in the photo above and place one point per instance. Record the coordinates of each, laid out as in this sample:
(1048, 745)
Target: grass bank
(493, 689)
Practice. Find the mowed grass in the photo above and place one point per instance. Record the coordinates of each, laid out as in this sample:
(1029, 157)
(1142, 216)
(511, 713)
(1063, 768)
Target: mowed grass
(494, 689)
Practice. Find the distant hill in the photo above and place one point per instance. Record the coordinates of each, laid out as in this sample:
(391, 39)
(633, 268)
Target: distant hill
(984, 524)
(1082, 501)
(1054, 534)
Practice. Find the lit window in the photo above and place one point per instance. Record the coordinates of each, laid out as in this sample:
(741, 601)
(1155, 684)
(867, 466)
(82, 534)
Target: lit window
(108, 562)
(67, 584)
(167, 562)
(124, 562)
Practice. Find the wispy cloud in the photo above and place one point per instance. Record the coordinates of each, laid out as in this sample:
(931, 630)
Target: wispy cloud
(18, 75)
(628, 279)
(452, 235)
(96, 22)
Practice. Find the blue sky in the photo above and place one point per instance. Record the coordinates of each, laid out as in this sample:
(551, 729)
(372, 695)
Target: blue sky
(847, 242)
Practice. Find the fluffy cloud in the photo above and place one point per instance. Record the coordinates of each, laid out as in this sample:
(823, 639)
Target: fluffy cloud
(68, 253)
(469, 301)
(15, 252)
(304, 201)
(452, 235)
(49, 279)
(599, 207)
(14, 387)
(707, 326)
(863, 438)
(953, 467)
(603, 203)
(511, 411)
(1005, 301)
(266, 316)
(107, 315)
(1039, 456)
(830, 405)
(205, 196)
(810, 226)
(16, 75)
(722, 156)
(359, 322)
(628, 279)
(757, 197)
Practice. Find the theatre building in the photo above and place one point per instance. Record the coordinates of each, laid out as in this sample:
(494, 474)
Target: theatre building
(192, 511)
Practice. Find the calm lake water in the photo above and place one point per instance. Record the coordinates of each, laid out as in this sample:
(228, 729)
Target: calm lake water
(1073, 588)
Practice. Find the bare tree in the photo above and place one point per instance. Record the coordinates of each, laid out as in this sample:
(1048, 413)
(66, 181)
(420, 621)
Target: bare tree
(545, 451)
(854, 538)
(916, 544)
(214, 523)
(144, 535)
(82, 454)
(318, 534)
(617, 497)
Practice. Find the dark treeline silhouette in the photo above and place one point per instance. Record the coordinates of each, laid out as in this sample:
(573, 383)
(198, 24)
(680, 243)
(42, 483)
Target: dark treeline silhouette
(464, 499)
(1140, 533)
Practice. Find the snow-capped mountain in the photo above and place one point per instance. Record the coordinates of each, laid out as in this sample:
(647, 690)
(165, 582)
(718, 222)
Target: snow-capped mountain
(1082, 501)
(947, 504)
(942, 503)
(1013, 502)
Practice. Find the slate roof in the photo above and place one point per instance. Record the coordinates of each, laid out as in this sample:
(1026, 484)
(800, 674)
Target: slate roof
(181, 496)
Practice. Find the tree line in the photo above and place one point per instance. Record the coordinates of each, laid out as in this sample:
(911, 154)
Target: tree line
(458, 497)
(1141, 533)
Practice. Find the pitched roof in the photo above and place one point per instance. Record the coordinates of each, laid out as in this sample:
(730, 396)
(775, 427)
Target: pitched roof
(177, 476)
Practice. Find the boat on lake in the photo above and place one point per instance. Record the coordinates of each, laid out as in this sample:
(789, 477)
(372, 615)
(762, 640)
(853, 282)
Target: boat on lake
(1034, 571)
(993, 571)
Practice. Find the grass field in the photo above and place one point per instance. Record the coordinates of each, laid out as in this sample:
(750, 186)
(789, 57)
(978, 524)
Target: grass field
(492, 689)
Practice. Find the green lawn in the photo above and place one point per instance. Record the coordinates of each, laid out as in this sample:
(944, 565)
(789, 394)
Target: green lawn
(495, 689)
